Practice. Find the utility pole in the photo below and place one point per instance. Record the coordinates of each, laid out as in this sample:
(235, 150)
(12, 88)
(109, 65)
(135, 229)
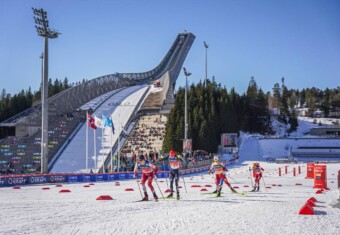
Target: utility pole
(43, 30)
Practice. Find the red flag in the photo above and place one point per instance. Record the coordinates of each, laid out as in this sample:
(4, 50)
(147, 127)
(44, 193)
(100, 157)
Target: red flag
(90, 121)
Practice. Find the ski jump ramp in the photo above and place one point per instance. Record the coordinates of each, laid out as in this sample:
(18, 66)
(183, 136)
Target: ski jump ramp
(133, 94)
(98, 143)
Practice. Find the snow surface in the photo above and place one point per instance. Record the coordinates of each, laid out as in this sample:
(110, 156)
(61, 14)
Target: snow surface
(304, 127)
(31, 210)
(259, 147)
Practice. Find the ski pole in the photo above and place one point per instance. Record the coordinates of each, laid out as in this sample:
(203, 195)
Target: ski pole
(184, 185)
(139, 187)
(232, 178)
(159, 188)
(251, 178)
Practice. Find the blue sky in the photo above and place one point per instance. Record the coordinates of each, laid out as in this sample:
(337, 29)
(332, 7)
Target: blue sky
(295, 39)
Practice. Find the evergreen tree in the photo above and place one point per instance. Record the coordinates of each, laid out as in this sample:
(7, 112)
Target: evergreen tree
(310, 100)
(336, 100)
(213, 111)
(3, 94)
(65, 84)
(293, 121)
(276, 96)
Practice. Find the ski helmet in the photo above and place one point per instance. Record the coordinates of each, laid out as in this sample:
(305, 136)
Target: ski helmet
(141, 157)
(172, 153)
(216, 158)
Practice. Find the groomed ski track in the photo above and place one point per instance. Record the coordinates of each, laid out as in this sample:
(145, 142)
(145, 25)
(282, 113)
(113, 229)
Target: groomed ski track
(31, 210)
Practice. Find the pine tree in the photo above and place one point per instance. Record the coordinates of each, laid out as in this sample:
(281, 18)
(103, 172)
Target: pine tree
(293, 121)
(310, 100)
(276, 96)
(65, 84)
(3, 94)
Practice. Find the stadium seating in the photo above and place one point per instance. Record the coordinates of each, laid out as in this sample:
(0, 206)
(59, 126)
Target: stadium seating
(22, 155)
(147, 135)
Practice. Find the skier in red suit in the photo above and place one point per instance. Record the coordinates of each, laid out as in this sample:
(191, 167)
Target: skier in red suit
(220, 177)
(149, 172)
(258, 175)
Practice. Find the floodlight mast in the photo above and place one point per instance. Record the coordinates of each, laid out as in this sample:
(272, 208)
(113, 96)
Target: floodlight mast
(206, 63)
(187, 74)
(43, 30)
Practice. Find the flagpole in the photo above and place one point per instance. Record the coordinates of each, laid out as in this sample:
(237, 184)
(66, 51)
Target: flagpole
(111, 149)
(95, 149)
(86, 144)
(103, 154)
(112, 133)
(118, 152)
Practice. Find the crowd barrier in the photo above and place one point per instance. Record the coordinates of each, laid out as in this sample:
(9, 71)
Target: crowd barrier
(17, 180)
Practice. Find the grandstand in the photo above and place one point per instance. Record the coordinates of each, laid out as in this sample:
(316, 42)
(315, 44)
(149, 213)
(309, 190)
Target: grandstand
(147, 136)
(22, 154)
(21, 135)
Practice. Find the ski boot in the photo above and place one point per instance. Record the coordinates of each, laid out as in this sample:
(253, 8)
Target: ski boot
(219, 192)
(233, 190)
(254, 189)
(258, 188)
(215, 191)
(178, 197)
(146, 197)
(155, 196)
(170, 195)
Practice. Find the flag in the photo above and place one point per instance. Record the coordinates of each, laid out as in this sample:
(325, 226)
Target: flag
(99, 122)
(90, 121)
(107, 121)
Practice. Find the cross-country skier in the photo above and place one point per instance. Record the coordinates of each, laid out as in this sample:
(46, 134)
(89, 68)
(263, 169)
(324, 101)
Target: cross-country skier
(258, 175)
(220, 177)
(175, 164)
(149, 172)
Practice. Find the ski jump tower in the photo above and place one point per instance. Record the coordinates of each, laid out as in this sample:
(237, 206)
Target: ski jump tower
(167, 72)
(71, 99)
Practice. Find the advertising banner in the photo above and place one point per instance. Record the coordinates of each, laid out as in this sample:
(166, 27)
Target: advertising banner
(110, 177)
(229, 140)
(11, 181)
(187, 145)
(7, 181)
(37, 179)
(72, 178)
(3, 182)
(56, 178)
(86, 178)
